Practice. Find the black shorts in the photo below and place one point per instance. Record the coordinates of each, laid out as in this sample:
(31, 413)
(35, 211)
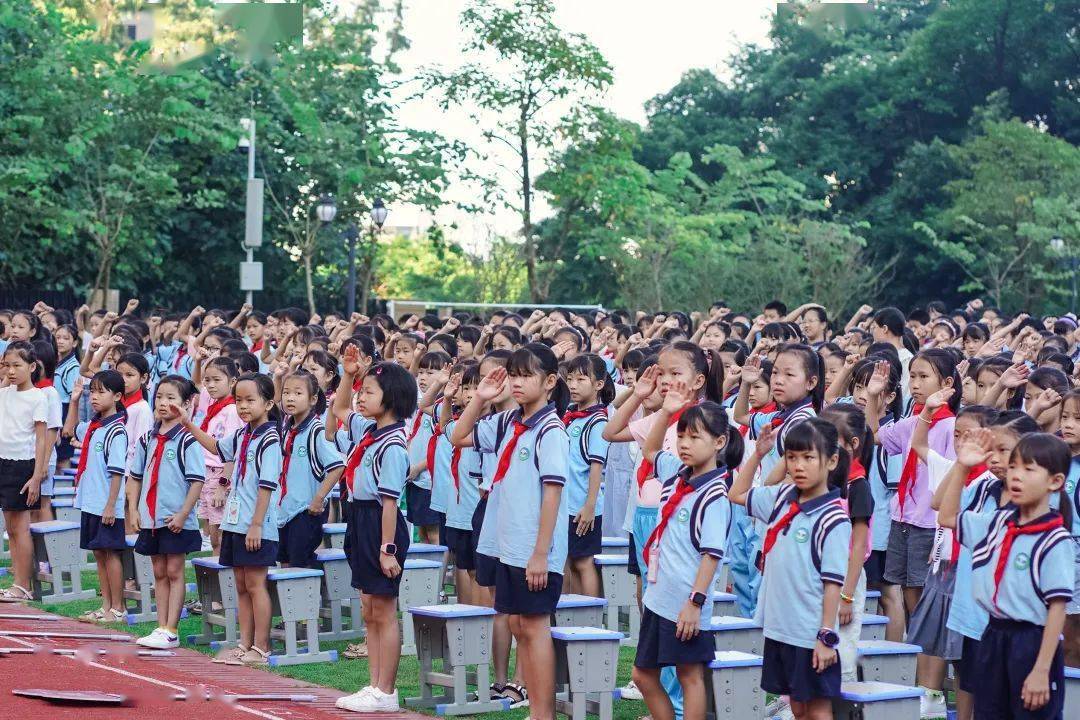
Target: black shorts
(64, 448)
(1005, 656)
(460, 542)
(485, 564)
(95, 535)
(632, 566)
(442, 528)
(363, 540)
(513, 596)
(418, 506)
(299, 538)
(789, 670)
(875, 568)
(658, 647)
(164, 541)
(968, 666)
(233, 551)
(13, 475)
(586, 545)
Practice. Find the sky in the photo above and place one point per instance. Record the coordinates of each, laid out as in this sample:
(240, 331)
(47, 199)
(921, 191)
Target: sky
(649, 45)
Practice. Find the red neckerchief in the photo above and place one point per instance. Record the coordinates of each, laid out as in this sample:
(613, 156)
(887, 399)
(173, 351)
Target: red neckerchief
(286, 456)
(974, 474)
(766, 408)
(215, 407)
(1012, 530)
(508, 453)
(645, 469)
(415, 426)
(856, 471)
(357, 384)
(355, 457)
(180, 353)
(256, 347)
(133, 398)
(155, 467)
(455, 458)
(436, 431)
(682, 489)
(241, 462)
(907, 476)
(573, 415)
(773, 533)
(44, 383)
(94, 425)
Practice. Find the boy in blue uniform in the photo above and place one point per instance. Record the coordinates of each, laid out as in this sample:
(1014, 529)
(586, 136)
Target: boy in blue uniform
(466, 477)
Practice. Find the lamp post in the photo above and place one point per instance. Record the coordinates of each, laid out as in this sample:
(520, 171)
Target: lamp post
(251, 271)
(326, 210)
(1071, 264)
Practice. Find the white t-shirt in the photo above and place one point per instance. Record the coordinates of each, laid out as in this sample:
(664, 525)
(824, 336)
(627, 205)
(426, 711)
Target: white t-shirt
(55, 419)
(19, 411)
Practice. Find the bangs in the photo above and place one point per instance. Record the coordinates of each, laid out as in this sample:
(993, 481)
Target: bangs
(693, 419)
(1044, 450)
(522, 363)
(804, 438)
(434, 360)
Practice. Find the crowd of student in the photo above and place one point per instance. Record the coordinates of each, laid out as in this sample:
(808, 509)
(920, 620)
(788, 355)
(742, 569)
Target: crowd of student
(929, 456)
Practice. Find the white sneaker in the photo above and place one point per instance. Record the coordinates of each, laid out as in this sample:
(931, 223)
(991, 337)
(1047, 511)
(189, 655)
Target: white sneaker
(932, 705)
(359, 701)
(630, 692)
(159, 639)
(383, 702)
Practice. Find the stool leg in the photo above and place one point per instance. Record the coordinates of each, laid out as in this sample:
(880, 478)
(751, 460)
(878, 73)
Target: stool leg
(577, 701)
(483, 686)
(605, 706)
(312, 636)
(461, 686)
(290, 639)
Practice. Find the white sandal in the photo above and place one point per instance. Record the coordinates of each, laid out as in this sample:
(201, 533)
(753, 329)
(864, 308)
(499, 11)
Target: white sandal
(255, 657)
(15, 594)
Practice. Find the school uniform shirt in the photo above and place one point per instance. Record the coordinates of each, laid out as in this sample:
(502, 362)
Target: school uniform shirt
(648, 495)
(896, 440)
(541, 457)
(486, 543)
(419, 430)
(587, 446)
(383, 471)
(884, 474)
(20, 411)
(310, 457)
(442, 483)
(1072, 489)
(982, 495)
(167, 359)
(257, 468)
(699, 526)
(465, 491)
(224, 423)
(106, 451)
(1039, 568)
(812, 550)
(64, 377)
(181, 464)
(784, 420)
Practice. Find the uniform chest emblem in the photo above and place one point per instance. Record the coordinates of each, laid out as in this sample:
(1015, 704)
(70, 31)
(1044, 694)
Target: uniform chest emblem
(1070, 485)
(683, 516)
(1022, 561)
(802, 535)
(251, 457)
(170, 454)
(367, 462)
(99, 447)
(302, 452)
(523, 454)
(575, 431)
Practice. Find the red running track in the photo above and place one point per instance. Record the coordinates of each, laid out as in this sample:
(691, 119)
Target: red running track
(149, 683)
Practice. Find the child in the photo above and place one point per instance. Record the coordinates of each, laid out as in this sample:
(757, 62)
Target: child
(167, 476)
(684, 551)
(1022, 575)
(423, 427)
(1070, 433)
(591, 390)
(24, 457)
(806, 546)
(68, 349)
(219, 420)
(99, 483)
(858, 442)
(45, 354)
(249, 534)
(310, 467)
(531, 529)
(376, 538)
(135, 370)
(466, 476)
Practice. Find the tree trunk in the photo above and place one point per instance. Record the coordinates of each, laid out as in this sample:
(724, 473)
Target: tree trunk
(308, 281)
(526, 209)
(365, 285)
(101, 280)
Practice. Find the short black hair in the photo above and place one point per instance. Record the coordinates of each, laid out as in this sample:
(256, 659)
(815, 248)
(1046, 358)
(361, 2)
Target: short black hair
(891, 319)
(919, 315)
(778, 306)
(398, 387)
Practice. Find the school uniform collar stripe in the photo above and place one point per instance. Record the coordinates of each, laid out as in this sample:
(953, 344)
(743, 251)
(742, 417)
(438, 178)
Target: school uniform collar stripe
(379, 433)
(109, 420)
(169, 434)
(703, 479)
(819, 502)
(265, 427)
(287, 426)
(536, 417)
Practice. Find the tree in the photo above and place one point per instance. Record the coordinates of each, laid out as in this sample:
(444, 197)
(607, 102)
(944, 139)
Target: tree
(526, 68)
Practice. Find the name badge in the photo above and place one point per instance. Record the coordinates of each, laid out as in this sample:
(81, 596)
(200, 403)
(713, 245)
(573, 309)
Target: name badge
(654, 563)
(232, 511)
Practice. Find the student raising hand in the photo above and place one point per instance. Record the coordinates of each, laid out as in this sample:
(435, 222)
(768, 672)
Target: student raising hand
(939, 399)
(678, 397)
(646, 382)
(492, 385)
(350, 362)
(751, 370)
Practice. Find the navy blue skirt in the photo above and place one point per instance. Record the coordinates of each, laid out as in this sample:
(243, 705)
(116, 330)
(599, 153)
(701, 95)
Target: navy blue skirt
(460, 542)
(234, 552)
(585, 545)
(513, 596)
(363, 543)
(95, 535)
(659, 647)
(299, 538)
(164, 541)
(418, 506)
(789, 670)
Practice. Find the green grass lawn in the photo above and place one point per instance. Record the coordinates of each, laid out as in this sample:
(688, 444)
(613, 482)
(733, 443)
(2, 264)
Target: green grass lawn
(346, 675)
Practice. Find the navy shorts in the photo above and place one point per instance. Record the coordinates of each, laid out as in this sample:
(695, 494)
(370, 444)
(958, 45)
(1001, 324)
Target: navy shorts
(64, 448)
(461, 544)
(363, 540)
(234, 552)
(586, 545)
(875, 568)
(164, 541)
(968, 665)
(513, 596)
(442, 527)
(1005, 656)
(789, 670)
(13, 475)
(299, 538)
(94, 535)
(632, 566)
(418, 506)
(485, 564)
(658, 647)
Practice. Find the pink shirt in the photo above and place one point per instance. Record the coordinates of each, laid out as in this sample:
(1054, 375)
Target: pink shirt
(224, 423)
(140, 418)
(896, 440)
(649, 494)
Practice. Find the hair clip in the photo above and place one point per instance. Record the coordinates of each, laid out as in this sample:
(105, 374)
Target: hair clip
(378, 371)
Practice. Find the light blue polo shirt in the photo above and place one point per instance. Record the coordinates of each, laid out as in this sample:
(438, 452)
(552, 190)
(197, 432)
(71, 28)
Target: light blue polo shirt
(106, 456)
(442, 483)
(182, 463)
(884, 476)
(540, 458)
(418, 447)
(811, 551)
(312, 457)
(462, 503)
(790, 417)
(587, 446)
(262, 469)
(385, 466)
(965, 616)
(64, 377)
(699, 526)
(1072, 489)
(1040, 567)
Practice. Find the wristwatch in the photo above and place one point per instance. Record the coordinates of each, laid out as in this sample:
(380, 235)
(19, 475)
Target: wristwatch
(828, 637)
(698, 598)
(389, 549)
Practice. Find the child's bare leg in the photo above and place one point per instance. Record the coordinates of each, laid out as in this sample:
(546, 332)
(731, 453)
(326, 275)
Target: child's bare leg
(255, 579)
(244, 613)
(162, 594)
(535, 636)
(647, 681)
(384, 612)
(588, 578)
(177, 586)
(692, 679)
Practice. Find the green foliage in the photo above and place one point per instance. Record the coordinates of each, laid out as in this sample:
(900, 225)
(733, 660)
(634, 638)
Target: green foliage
(423, 268)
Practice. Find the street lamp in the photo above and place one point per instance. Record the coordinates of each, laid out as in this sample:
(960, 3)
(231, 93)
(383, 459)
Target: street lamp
(326, 210)
(378, 213)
